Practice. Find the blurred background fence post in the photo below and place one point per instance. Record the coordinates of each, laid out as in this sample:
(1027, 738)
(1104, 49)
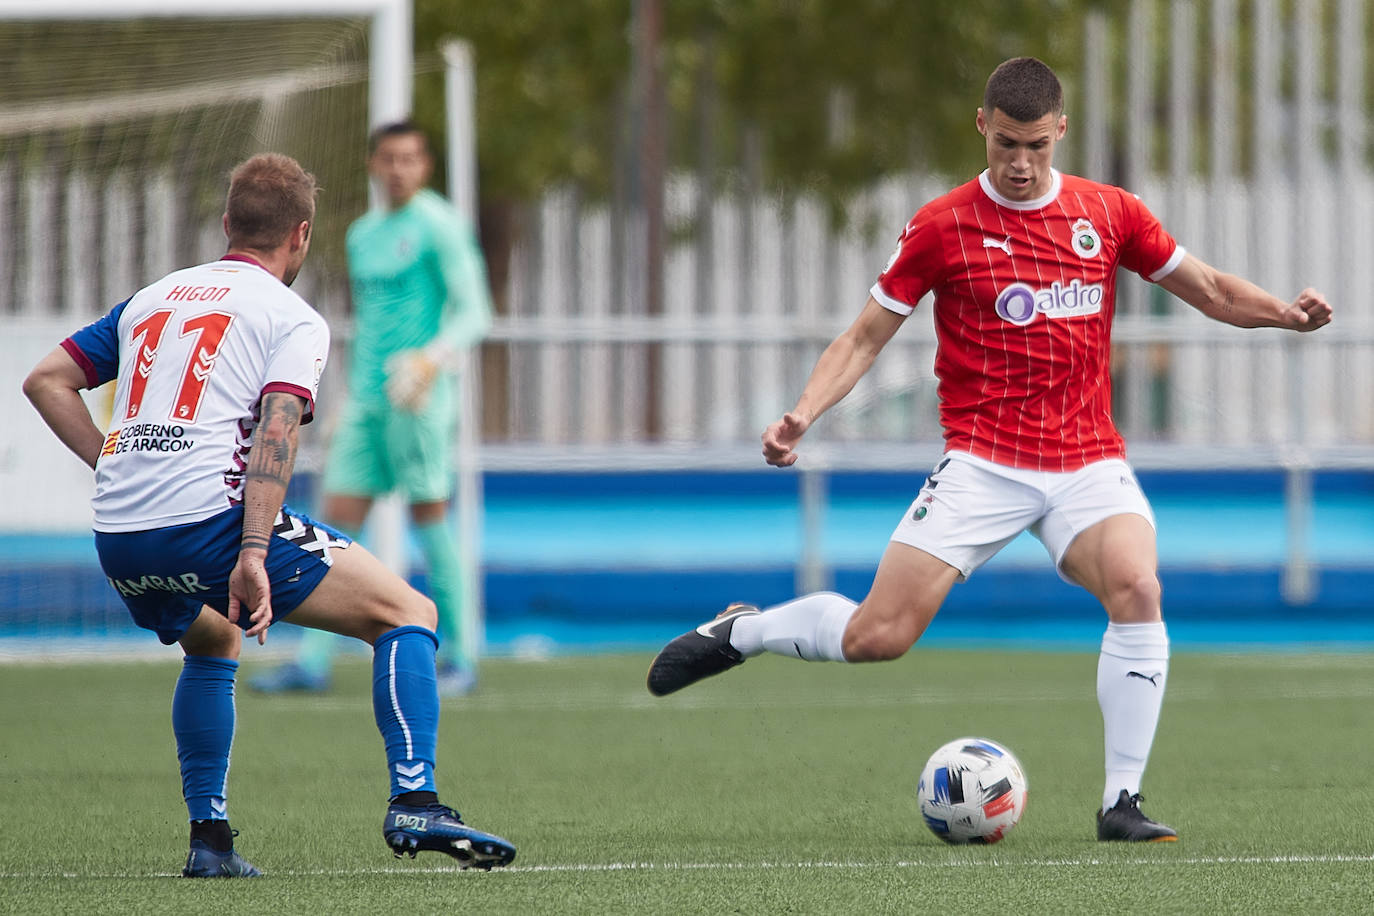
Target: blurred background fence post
(461, 121)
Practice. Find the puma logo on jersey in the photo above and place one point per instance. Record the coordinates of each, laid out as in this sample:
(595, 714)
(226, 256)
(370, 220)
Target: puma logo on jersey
(1004, 244)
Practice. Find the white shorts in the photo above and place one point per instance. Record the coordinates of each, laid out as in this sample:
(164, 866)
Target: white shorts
(970, 508)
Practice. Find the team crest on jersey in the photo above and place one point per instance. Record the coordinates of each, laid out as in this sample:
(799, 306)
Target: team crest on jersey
(1085, 239)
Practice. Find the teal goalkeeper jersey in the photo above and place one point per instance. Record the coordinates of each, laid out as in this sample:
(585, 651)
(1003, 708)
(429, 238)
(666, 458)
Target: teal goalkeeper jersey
(418, 278)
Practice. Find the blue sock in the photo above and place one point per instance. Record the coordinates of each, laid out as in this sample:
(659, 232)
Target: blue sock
(203, 722)
(405, 700)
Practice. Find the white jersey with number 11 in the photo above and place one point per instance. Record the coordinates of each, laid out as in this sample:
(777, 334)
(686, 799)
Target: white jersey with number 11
(193, 353)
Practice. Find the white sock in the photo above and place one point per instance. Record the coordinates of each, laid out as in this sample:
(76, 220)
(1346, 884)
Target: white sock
(1131, 674)
(810, 628)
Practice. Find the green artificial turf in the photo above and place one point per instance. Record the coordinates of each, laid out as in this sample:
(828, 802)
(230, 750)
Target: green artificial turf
(780, 787)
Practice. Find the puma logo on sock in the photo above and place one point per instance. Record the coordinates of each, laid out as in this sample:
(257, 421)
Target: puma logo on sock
(1145, 677)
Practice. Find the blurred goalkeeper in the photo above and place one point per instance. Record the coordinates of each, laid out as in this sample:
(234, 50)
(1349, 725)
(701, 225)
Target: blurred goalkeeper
(420, 298)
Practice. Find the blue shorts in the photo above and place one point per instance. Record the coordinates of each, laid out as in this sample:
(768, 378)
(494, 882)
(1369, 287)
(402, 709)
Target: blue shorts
(165, 575)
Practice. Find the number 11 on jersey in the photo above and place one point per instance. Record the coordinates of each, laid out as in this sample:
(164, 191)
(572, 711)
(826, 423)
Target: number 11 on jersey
(209, 329)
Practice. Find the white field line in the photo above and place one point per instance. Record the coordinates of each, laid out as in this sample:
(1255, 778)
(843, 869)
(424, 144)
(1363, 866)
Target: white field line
(633, 701)
(496, 703)
(1164, 860)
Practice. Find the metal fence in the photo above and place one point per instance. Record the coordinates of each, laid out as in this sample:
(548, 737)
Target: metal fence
(755, 287)
(583, 367)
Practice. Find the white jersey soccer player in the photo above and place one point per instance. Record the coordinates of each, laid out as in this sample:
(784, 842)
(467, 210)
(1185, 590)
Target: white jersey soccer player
(195, 355)
(218, 367)
(176, 448)
(1022, 262)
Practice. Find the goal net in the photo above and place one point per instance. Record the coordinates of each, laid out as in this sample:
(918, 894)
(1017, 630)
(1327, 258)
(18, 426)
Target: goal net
(116, 140)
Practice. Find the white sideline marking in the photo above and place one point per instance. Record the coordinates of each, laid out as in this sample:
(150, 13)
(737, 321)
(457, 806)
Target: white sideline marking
(500, 703)
(968, 863)
(586, 867)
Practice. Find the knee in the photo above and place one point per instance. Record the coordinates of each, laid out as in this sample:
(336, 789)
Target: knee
(420, 612)
(226, 647)
(869, 642)
(1135, 598)
(410, 610)
(213, 636)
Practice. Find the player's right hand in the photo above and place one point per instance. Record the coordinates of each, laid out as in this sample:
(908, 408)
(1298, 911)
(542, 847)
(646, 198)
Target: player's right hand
(410, 375)
(250, 587)
(781, 438)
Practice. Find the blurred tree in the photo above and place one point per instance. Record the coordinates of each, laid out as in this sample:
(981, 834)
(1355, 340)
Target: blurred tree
(840, 91)
(822, 95)
(844, 92)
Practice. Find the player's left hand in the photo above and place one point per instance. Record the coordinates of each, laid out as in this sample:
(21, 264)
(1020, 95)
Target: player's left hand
(251, 588)
(410, 375)
(1309, 311)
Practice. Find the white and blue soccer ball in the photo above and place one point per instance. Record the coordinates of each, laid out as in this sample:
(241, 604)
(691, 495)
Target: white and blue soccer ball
(972, 791)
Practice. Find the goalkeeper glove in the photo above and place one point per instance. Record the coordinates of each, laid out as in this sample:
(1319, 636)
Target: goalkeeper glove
(410, 376)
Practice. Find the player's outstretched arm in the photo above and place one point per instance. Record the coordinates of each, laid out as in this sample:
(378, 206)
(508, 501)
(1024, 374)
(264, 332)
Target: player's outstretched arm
(1237, 301)
(840, 367)
(270, 464)
(54, 388)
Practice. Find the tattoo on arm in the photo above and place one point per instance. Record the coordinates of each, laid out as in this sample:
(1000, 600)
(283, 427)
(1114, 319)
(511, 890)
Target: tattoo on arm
(274, 451)
(269, 466)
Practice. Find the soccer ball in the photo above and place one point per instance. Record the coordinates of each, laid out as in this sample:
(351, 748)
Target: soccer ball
(972, 791)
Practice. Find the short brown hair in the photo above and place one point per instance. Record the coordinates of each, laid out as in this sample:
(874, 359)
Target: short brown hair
(269, 195)
(1023, 89)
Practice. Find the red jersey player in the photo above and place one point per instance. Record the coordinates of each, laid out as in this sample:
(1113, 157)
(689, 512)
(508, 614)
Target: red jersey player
(1022, 263)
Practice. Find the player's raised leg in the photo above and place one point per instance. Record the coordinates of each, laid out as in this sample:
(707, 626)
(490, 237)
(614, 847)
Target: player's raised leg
(1115, 560)
(908, 590)
(203, 717)
(824, 626)
(360, 597)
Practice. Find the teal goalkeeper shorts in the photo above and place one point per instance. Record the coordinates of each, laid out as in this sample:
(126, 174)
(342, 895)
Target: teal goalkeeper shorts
(377, 449)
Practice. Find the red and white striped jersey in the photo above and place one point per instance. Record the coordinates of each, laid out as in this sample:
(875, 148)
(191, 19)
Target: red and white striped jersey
(194, 354)
(1024, 297)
